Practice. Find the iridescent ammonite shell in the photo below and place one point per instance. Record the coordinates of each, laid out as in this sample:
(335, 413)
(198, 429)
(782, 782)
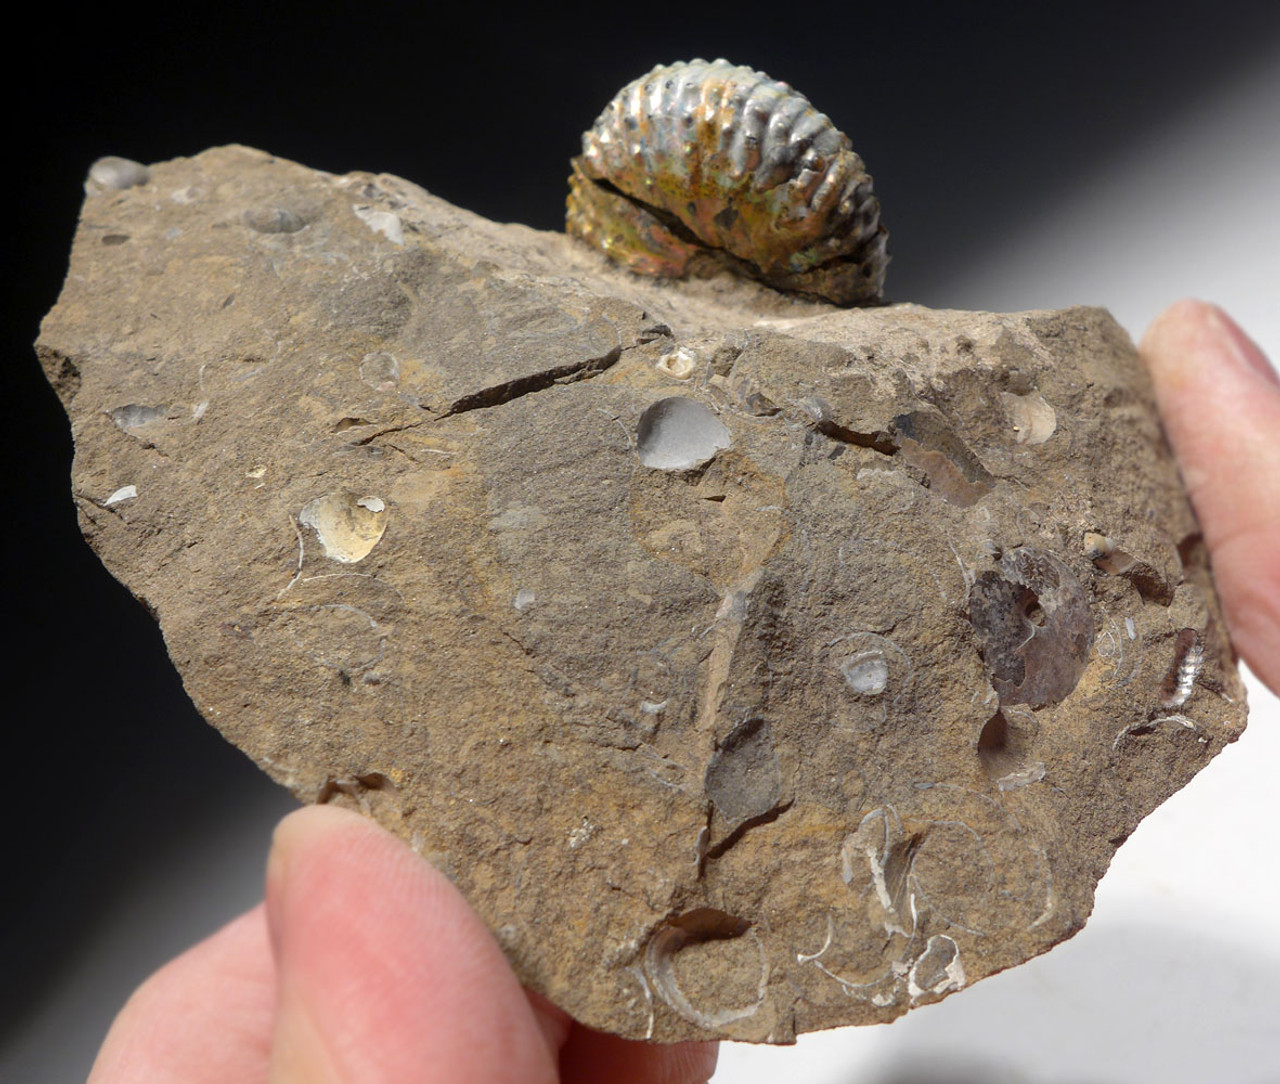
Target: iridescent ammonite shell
(710, 162)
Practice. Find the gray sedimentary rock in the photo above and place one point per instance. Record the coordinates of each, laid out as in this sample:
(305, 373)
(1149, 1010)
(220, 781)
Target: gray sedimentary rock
(752, 666)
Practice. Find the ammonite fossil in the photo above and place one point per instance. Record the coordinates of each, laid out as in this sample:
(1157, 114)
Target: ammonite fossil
(709, 163)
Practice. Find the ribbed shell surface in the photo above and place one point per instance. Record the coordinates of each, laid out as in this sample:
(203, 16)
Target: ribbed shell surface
(716, 156)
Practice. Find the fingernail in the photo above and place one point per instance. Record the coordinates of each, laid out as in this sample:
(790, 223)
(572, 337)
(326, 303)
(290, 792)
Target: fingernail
(294, 837)
(278, 859)
(299, 1047)
(1242, 348)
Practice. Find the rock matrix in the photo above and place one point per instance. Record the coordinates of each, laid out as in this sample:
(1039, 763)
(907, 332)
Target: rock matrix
(753, 666)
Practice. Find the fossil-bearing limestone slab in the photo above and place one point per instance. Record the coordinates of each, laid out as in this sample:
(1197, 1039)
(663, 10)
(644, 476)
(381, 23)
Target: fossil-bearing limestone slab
(753, 666)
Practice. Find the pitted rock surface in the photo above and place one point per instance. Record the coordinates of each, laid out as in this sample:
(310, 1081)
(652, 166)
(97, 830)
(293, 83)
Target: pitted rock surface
(753, 666)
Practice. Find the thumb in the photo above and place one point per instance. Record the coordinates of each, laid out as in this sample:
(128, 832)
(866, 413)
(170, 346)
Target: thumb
(1220, 403)
(384, 972)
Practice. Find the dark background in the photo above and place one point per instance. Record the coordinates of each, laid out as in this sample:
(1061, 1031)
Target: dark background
(972, 118)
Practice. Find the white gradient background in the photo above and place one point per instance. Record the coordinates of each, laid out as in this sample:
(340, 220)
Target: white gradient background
(1176, 978)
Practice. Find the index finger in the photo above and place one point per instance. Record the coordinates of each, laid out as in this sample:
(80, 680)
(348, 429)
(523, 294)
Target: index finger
(1220, 403)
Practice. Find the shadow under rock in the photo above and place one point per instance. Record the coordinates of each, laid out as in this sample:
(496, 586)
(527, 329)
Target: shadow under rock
(958, 1071)
(1121, 1004)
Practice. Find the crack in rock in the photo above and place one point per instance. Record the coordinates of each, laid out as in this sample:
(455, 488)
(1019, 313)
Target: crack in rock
(534, 382)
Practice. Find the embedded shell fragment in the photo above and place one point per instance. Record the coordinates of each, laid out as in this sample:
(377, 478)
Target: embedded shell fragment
(714, 163)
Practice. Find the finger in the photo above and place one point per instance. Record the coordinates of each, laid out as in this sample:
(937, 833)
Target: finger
(588, 1056)
(1220, 403)
(385, 972)
(205, 1018)
(591, 1056)
(554, 1023)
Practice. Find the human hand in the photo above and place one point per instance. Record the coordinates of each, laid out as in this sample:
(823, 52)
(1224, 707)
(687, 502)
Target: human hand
(364, 965)
(1220, 403)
